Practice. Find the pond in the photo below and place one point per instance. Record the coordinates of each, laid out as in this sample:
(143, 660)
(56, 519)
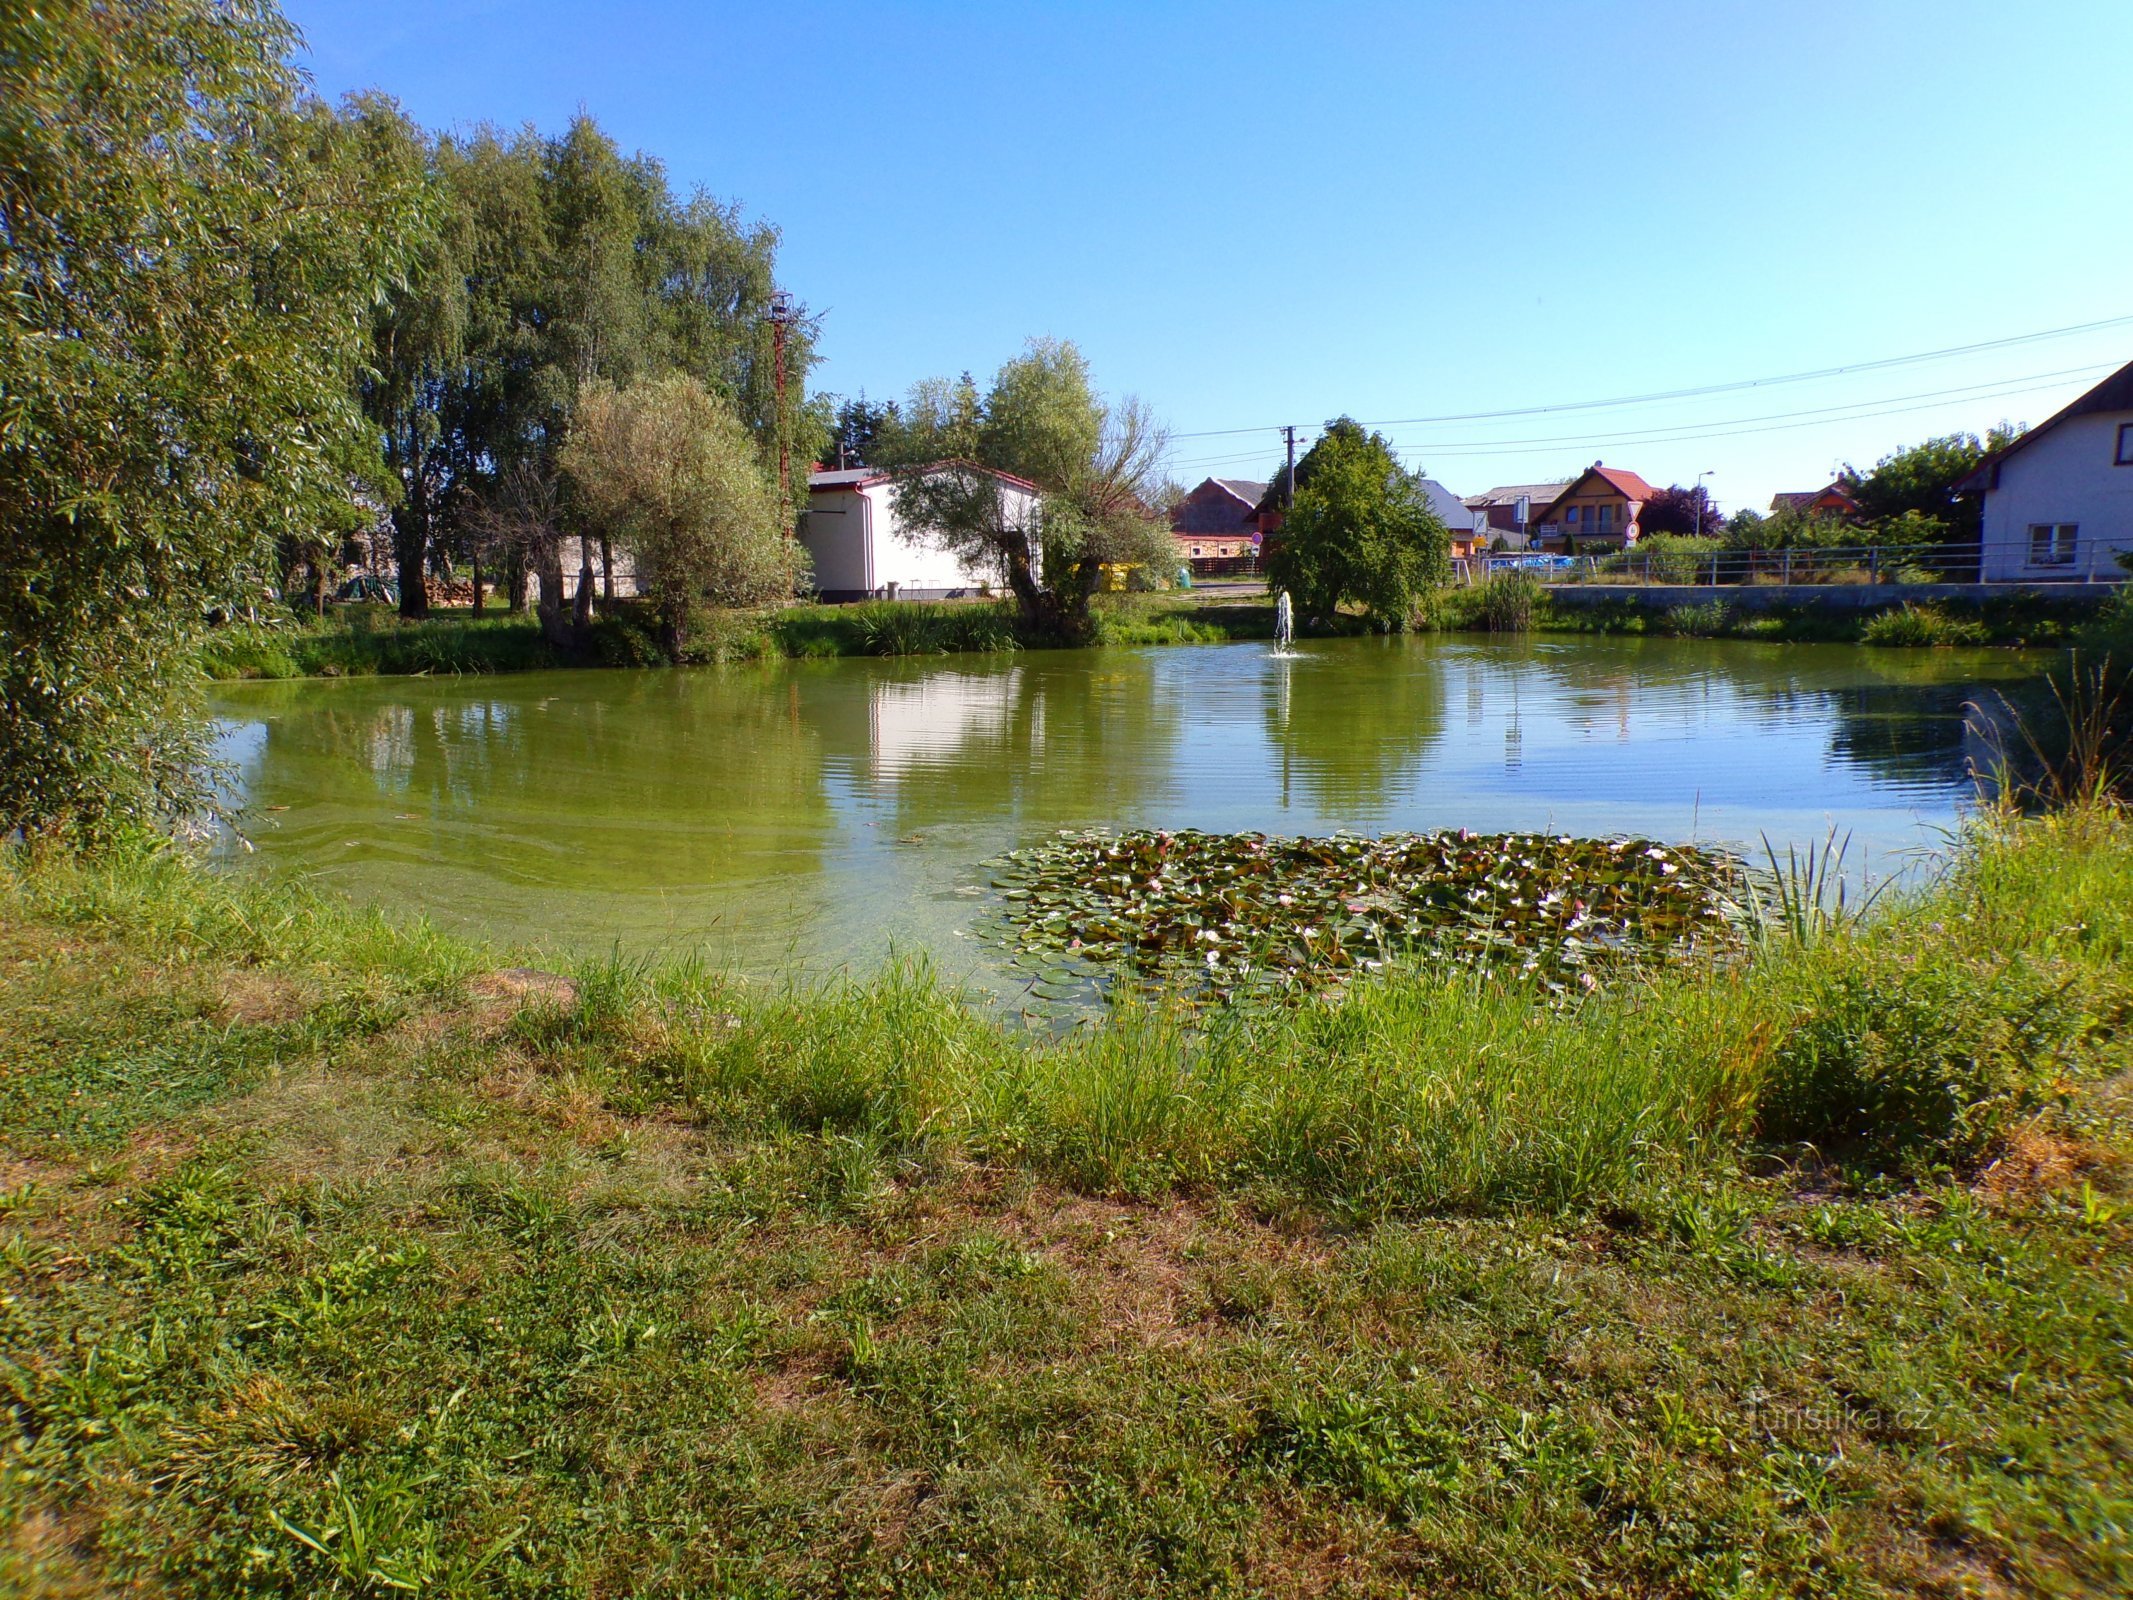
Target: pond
(808, 816)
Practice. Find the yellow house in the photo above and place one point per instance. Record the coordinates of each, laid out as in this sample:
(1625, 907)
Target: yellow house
(1599, 508)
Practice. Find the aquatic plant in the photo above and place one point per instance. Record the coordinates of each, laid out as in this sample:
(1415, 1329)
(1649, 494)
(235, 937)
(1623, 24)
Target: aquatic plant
(1912, 624)
(1222, 915)
(1510, 601)
(1708, 620)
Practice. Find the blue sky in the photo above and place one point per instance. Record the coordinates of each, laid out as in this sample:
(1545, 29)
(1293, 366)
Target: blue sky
(1252, 215)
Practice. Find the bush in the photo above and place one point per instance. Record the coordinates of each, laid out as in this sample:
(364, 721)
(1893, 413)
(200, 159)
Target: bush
(621, 639)
(1911, 624)
(1666, 558)
(1908, 1061)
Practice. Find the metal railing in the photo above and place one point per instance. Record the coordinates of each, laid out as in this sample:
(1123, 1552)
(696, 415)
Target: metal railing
(1837, 564)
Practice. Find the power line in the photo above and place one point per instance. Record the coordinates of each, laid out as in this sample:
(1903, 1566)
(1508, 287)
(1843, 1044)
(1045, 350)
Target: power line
(1849, 368)
(1731, 427)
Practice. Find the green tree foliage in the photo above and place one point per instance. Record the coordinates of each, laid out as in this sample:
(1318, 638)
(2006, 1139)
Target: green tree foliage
(1921, 480)
(557, 263)
(675, 473)
(188, 254)
(852, 428)
(1791, 530)
(1361, 531)
(1095, 463)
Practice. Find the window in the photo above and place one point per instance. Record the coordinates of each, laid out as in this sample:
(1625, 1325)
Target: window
(1571, 516)
(1607, 516)
(2125, 444)
(2051, 544)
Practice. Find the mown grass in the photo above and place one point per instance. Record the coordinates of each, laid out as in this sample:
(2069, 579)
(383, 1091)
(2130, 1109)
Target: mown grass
(338, 1264)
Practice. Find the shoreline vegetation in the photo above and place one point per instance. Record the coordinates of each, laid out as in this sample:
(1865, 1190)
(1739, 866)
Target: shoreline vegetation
(345, 1259)
(360, 640)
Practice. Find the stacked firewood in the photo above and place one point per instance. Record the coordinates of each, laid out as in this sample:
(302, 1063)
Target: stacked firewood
(453, 592)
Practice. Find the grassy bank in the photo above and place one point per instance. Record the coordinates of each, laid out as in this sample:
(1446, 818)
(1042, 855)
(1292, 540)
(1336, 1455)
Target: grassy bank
(2009, 620)
(361, 640)
(354, 641)
(342, 1262)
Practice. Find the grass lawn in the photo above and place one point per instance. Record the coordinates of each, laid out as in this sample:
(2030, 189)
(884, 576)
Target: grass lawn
(340, 1259)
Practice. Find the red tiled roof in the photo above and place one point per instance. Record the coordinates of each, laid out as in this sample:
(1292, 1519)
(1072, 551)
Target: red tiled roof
(1620, 479)
(1632, 486)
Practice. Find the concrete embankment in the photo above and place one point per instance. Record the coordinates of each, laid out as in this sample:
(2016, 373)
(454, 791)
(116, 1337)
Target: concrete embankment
(1828, 596)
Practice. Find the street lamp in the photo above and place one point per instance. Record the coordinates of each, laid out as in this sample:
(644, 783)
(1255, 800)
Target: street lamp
(1711, 472)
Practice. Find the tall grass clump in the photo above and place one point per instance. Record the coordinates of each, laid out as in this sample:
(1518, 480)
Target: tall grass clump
(359, 641)
(1709, 620)
(916, 628)
(1509, 601)
(1914, 624)
(2071, 748)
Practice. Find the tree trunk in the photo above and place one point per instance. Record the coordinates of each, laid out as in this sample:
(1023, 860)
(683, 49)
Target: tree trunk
(581, 614)
(554, 628)
(607, 570)
(515, 583)
(474, 564)
(411, 549)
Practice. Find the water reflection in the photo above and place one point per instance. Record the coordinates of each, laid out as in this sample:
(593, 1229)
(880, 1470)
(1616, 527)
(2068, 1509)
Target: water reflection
(815, 813)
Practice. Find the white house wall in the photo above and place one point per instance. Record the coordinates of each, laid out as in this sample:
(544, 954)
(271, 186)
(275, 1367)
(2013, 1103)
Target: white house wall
(835, 534)
(2068, 475)
(914, 564)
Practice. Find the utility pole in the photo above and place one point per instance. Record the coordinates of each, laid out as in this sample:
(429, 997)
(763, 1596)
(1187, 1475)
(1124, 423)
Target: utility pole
(1288, 482)
(780, 323)
(1701, 495)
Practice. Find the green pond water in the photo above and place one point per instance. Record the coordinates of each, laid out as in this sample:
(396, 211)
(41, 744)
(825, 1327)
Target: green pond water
(814, 815)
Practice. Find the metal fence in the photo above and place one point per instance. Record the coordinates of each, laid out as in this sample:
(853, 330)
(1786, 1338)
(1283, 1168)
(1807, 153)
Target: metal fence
(1841, 564)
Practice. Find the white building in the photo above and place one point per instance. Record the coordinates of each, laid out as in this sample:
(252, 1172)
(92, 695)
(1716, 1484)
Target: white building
(862, 551)
(2059, 500)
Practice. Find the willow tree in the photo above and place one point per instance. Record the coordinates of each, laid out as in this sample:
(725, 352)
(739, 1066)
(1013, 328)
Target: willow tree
(672, 470)
(188, 257)
(1095, 463)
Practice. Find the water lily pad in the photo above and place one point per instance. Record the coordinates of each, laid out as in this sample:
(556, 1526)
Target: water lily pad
(1215, 915)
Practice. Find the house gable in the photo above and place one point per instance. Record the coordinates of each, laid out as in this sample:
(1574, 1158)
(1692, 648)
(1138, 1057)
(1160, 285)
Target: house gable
(2114, 394)
(1601, 502)
(1218, 506)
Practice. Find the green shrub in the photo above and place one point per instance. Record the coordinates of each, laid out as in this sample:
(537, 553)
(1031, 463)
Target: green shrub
(1666, 558)
(623, 640)
(1911, 1059)
(1912, 624)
